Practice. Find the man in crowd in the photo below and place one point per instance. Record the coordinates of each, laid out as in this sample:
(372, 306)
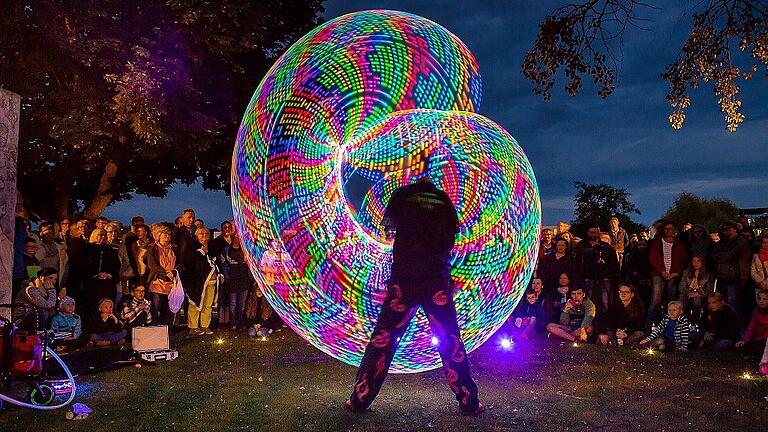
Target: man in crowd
(185, 237)
(51, 253)
(732, 256)
(576, 318)
(619, 238)
(547, 245)
(596, 263)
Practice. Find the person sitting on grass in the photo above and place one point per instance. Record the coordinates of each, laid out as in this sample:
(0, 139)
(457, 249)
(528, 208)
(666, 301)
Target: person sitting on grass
(526, 317)
(39, 299)
(626, 319)
(757, 331)
(673, 332)
(720, 326)
(576, 318)
(67, 326)
(137, 311)
(105, 328)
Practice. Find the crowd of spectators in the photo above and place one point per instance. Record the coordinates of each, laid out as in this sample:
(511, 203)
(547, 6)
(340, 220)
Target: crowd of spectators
(674, 288)
(93, 282)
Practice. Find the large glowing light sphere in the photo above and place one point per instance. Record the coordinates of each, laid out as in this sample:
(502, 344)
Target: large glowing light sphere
(349, 113)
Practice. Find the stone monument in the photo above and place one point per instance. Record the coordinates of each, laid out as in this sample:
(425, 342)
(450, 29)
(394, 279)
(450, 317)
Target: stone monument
(9, 152)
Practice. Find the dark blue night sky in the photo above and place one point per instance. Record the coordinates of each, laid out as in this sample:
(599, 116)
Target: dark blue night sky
(624, 141)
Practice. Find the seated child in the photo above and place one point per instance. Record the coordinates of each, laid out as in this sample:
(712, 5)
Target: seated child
(526, 317)
(260, 311)
(719, 325)
(576, 318)
(763, 368)
(67, 326)
(137, 311)
(105, 328)
(625, 320)
(673, 332)
(757, 331)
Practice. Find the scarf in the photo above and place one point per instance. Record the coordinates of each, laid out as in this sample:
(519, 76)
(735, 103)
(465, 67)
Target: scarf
(763, 254)
(166, 256)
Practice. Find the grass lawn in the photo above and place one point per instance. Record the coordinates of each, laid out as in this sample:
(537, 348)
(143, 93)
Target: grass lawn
(285, 384)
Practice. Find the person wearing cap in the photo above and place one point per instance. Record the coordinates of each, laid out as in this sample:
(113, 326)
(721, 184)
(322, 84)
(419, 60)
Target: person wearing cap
(67, 326)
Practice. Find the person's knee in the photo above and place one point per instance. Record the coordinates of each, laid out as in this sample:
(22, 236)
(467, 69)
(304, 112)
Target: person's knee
(603, 339)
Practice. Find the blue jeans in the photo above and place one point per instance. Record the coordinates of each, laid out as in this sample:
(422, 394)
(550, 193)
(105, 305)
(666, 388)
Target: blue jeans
(237, 307)
(719, 345)
(661, 288)
(112, 337)
(733, 293)
(599, 291)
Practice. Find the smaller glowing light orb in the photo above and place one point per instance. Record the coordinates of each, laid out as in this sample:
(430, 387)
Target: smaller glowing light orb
(220, 341)
(747, 376)
(435, 341)
(506, 343)
(575, 344)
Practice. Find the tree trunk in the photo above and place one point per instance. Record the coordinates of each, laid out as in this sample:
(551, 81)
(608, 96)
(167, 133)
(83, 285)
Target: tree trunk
(104, 193)
(61, 200)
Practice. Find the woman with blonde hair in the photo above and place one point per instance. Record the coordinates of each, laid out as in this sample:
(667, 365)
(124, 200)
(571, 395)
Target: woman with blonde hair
(100, 271)
(163, 262)
(201, 281)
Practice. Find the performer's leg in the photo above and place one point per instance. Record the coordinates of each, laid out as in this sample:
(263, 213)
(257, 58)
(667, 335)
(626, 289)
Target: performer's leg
(441, 313)
(393, 320)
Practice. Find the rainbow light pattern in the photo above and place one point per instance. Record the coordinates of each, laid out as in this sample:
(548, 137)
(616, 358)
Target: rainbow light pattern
(349, 113)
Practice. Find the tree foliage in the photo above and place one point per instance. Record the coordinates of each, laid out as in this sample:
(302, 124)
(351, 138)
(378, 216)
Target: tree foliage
(579, 38)
(598, 203)
(124, 97)
(688, 207)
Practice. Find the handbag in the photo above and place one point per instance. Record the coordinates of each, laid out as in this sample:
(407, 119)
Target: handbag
(160, 286)
(176, 296)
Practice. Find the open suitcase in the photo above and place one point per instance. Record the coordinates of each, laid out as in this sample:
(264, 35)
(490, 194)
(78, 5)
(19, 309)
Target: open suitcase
(152, 343)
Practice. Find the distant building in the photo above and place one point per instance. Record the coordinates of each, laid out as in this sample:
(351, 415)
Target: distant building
(757, 217)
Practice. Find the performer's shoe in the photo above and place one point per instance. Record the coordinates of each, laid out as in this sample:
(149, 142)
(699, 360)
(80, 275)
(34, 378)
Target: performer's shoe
(355, 409)
(476, 412)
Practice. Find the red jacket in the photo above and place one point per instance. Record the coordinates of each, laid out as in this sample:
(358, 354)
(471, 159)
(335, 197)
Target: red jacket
(656, 256)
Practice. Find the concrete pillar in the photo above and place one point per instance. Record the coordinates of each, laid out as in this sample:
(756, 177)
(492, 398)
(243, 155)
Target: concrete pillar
(9, 152)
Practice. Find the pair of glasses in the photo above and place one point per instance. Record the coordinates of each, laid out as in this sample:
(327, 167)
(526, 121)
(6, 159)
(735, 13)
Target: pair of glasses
(625, 292)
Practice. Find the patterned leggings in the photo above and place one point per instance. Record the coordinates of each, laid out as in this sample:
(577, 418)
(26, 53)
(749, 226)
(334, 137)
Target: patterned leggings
(396, 313)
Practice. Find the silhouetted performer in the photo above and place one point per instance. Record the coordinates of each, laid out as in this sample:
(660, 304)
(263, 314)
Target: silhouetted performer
(425, 224)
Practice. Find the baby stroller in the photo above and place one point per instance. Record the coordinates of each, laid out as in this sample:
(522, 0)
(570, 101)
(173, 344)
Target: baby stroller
(22, 365)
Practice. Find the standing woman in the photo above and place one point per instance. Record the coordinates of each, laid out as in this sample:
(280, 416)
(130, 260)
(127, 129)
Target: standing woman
(238, 280)
(101, 268)
(201, 278)
(162, 263)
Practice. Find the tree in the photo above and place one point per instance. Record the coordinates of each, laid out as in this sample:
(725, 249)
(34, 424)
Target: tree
(688, 207)
(580, 38)
(598, 203)
(120, 98)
